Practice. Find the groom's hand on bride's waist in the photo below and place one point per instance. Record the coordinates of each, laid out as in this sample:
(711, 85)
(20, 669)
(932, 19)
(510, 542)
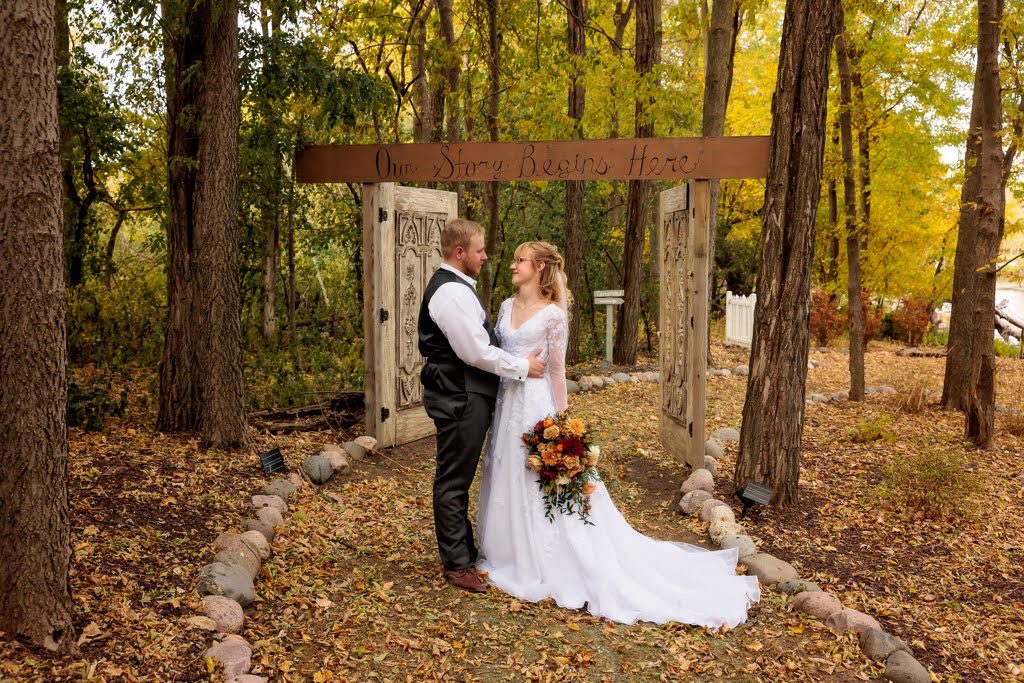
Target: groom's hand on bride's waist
(536, 364)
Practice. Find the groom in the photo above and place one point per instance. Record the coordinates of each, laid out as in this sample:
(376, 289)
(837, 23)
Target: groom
(460, 383)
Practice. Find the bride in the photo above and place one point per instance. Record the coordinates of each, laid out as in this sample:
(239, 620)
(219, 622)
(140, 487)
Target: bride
(607, 566)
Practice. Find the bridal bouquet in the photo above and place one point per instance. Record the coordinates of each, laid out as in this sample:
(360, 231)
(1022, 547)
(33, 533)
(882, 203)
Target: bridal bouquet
(561, 450)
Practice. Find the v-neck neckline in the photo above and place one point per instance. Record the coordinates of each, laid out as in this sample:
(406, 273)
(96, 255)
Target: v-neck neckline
(525, 322)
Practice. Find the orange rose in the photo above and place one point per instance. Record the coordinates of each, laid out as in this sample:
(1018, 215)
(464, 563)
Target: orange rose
(548, 422)
(572, 462)
(551, 432)
(559, 448)
(551, 458)
(589, 488)
(534, 463)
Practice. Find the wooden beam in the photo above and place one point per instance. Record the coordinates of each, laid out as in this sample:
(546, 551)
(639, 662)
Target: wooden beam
(697, 349)
(617, 159)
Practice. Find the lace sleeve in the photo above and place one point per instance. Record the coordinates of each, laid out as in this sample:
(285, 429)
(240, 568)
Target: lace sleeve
(558, 338)
(502, 312)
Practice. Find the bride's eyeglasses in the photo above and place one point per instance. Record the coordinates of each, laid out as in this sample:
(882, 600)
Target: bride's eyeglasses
(521, 259)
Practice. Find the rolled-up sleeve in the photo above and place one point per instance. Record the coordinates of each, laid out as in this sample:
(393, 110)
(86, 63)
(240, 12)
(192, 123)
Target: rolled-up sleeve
(456, 311)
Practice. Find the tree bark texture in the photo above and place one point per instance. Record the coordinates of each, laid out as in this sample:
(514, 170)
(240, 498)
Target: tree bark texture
(271, 204)
(853, 276)
(493, 196)
(35, 597)
(201, 381)
(980, 412)
(773, 411)
(577, 41)
(638, 196)
(957, 372)
(718, 65)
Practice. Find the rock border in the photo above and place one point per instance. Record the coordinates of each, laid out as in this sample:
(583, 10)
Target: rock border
(226, 585)
(726, 532)
(598, 381)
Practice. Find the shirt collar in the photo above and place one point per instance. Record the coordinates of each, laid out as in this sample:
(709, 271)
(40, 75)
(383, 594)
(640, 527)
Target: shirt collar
(458, 272)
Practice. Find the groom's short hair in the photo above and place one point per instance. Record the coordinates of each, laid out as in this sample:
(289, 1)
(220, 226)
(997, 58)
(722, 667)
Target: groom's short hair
(457, 233)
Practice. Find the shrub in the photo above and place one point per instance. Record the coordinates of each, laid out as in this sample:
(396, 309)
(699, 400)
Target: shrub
(914, 402)
(90, 404)
(873, 429)
(932, 482)
(872, 319)
(826, 321)
(911, 320)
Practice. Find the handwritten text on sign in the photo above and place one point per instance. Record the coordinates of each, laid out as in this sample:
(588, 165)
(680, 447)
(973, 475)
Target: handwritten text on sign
(643, 159)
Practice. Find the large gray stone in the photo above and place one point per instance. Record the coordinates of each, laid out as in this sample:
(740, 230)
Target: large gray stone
(228, 539)
(741, 370)
(743, 543)
(262, 527)
(621, 377)
(699, 480)
(597, 382)
(233, 654)
(354, 450)
(713, 447)
(338, 461)
(275, 502)
(243, 557)
(572, 386)
(817, 603)
(693, 500)
(257, 543)
(720, 529)
(229, 580)
(817, 398)
(851, 620)
(794, 586)
(296, 480)
(901, 667)
(225, 612)
(721, 513)
(270, 516)
(769, 569)
(725, 372)
(879, 645)
(248, 678)
(707, 506)
(281, 488)
(710, 464)
(725, 434)
(318, 469)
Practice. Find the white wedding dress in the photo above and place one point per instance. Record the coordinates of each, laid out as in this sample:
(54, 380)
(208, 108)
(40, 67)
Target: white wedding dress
(609, 567)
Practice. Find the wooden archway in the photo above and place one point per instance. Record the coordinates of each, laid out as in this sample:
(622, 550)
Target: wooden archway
(401, 246)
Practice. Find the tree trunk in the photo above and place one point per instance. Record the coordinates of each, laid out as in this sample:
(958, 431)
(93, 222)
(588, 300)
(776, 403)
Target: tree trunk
(832, 266)
(201, 381)
(422, 120)
(718, 64)
(854, 302)
(577, 39)
(958, 343)
(646, 56)
(980, 418)
(271, 204)
(773, 411)
(492, 196)
(35, 595)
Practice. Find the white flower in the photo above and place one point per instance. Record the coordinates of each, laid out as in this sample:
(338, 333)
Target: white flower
(563, 480)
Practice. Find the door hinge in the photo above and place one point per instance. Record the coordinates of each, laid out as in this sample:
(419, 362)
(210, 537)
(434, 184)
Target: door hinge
(382, 214)
(383, 315)
(384, 414)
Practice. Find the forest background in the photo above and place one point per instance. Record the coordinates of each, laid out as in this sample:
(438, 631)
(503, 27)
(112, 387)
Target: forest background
(450, 70)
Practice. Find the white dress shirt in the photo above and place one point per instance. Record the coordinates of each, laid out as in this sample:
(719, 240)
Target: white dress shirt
(458, 313)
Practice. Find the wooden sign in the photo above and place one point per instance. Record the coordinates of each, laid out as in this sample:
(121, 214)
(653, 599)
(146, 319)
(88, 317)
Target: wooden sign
(609, 301)
(617, 159)
(606, 293)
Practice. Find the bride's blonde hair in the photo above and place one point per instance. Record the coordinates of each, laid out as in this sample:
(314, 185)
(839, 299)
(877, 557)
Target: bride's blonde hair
(551, 279)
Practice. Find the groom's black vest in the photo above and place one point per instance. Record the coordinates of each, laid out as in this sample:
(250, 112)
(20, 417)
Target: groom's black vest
(444, 371)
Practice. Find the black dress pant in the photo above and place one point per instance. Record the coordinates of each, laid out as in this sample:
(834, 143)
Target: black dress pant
(462, 420)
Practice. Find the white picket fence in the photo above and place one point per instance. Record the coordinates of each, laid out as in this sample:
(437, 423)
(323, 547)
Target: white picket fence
(739, 319)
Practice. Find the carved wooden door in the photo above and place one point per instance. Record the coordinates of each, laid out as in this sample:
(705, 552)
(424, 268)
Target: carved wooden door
(401, 249)
(682, 328)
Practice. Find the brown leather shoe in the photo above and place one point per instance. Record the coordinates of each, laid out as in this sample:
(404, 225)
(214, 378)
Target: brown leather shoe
(466, 579)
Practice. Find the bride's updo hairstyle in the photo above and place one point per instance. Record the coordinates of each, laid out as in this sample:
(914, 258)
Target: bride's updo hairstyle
(552, 281)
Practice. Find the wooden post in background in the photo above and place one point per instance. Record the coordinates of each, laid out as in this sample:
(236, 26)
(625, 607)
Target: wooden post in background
(609, 298)
(696, 353)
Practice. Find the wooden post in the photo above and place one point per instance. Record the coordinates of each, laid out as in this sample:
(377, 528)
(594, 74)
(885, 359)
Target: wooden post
(697, 360)
(379, 331)
(609, 298)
